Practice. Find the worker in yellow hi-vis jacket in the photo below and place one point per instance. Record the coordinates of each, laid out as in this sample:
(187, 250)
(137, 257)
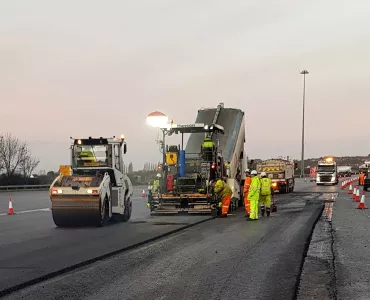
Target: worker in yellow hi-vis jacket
(254, 195)
(266, 192)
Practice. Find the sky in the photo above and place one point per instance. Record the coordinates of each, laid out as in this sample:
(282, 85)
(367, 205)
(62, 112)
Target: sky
(98, 68)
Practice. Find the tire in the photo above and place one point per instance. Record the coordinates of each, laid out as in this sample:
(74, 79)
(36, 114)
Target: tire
(104, 213)
(128, 211)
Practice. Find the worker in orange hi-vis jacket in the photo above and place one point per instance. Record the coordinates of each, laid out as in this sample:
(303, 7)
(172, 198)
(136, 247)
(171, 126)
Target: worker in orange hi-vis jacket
(362, 178)
(247, 183)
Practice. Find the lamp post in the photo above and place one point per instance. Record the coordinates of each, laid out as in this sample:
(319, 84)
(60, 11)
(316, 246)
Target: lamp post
(160, 120)
(304, 73)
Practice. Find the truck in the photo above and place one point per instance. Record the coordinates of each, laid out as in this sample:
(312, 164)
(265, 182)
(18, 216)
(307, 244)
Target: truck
(93, 189)
(281, 173)
(187, 173)
(344, 171)
(327, 171)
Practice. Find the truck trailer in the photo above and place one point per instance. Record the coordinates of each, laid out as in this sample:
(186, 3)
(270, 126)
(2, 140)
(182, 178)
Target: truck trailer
(281, 173)
(344, 171)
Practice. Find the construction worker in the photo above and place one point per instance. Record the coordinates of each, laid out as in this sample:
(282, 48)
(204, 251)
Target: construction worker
(207, 148)
(154, 189)
(254, 195)
(247, 183)
(156, 183)
(224, 193)
(362, 178)
(266, 192)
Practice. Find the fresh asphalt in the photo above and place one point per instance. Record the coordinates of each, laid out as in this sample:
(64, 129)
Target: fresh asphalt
(218, 259)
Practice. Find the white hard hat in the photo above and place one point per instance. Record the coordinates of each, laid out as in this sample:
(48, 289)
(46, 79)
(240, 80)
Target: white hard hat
(263, 174)
(247, 171)
(158, 175)
(254, 172)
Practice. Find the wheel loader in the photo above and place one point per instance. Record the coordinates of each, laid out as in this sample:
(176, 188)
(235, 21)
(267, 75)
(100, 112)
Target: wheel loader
(93, 189)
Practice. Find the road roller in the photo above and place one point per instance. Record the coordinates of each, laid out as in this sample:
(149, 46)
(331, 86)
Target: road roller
(94, 189)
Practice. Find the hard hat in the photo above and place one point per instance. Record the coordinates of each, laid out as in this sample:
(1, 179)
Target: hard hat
(159, 175)
(254, 172)
(247, 171)
(263, 174)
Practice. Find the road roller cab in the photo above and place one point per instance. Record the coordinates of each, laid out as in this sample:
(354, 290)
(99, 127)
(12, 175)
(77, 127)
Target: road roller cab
(94, 188)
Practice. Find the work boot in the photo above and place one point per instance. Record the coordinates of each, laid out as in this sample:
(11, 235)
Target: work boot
(268, 211)
(262, 211)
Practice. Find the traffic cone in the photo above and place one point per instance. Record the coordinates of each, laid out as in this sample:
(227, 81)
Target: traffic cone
(357, 194)
(305, 179)
(143, 194)
(343, 185)
(362, 202)
(350, 191)
(10, 209)
(354, 193)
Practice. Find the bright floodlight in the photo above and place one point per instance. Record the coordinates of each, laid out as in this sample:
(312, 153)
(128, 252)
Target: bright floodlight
(157, 119)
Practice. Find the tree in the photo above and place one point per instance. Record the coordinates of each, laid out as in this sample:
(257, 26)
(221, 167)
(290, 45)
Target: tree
(13, 152)
(28, 165)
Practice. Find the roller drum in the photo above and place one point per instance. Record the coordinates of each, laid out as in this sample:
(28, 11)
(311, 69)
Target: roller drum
(78, 211)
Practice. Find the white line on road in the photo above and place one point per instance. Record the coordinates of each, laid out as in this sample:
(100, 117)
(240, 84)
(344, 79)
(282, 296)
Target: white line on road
(27, 211)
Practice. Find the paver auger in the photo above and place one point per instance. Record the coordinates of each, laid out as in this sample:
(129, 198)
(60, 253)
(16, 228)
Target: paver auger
(94, 188)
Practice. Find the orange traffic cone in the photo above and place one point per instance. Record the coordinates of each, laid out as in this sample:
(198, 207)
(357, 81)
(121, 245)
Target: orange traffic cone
(357, 194)
(350, 191)
(143, 194)
(362, 202)
(10, 209)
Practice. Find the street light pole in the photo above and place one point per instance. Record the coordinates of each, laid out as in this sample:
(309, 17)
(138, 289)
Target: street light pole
(304, 73)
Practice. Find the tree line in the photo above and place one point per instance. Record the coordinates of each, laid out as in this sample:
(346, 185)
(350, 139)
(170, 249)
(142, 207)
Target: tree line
(16, 160)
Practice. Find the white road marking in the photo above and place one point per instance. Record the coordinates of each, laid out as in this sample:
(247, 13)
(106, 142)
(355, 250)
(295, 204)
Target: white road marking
(27, 211)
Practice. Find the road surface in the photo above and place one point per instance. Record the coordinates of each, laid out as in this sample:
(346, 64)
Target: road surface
(216, 259)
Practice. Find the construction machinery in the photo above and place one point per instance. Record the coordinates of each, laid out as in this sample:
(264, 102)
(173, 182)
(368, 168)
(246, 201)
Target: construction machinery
(365, 168)
(94, 188)
(327, 171)
(281, 173)
(188, 171)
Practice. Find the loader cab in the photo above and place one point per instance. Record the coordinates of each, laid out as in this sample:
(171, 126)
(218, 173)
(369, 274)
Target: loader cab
(99, 155)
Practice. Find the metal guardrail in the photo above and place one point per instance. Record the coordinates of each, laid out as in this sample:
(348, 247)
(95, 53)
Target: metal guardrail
(38, 187)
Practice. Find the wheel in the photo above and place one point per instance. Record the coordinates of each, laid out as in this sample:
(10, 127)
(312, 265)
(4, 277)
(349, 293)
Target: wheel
(128, 210)
(104, 213)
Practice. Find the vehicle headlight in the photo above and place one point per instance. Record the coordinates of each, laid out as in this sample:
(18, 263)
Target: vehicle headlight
(95, 192)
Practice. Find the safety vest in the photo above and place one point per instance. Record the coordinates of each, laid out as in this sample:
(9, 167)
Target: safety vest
(265, 186)
(222, 189)
(88, 154)
(208, 143)
(247, 184)
(155, 185)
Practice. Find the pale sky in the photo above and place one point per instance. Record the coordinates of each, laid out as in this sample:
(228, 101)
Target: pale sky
(97, 68)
